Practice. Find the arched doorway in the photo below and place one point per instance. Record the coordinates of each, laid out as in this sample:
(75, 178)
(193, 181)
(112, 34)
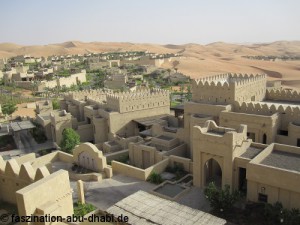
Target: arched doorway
(264, 139)
(212, 173)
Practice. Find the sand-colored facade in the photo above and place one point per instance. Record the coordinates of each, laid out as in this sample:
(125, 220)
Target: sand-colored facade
(223, 135)
(236, 145)
(41, 186)
(99, 116)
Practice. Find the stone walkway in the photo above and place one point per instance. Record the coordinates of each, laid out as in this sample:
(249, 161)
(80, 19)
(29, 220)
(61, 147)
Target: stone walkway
(106, 193)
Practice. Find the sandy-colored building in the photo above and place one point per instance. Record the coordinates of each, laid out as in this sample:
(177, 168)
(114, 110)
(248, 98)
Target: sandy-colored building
(235, 132)
(116, 81)
(100, 116)
(40, 186)
(26, 80)
(239, 147)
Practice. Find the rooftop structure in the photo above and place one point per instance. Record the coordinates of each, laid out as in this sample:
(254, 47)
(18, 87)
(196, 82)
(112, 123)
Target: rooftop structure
(231, 133)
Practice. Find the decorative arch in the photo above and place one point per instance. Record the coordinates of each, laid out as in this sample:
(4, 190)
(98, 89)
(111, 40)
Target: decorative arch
(212, 172)
(88, 156)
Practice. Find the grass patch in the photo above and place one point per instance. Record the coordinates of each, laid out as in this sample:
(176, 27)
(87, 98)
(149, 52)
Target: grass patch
(178, 170)
(83, 209)
(155, 178)
(5, 98)
(175, 103)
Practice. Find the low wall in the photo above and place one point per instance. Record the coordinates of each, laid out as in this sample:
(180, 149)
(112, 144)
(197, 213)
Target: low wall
(186, 163)
(24, 84)
(157, 168)
(44, 160)
(86, 177)
(138, 173)
(25, 158)
(128, 170)
(117, 155)
(65, 157)
(179, 151)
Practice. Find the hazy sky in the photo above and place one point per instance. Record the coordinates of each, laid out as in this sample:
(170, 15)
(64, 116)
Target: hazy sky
(153, 21)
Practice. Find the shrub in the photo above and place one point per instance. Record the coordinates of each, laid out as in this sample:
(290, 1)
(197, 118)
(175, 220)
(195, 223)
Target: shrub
(221, 200)
(178, 170)
(69, 140)
(9, 108)
(155, 178)
(83, 209)
(276, 214)
(55, 104)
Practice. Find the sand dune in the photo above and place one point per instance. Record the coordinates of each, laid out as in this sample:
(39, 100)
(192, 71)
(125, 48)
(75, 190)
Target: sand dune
(270, 73)
(197, 60)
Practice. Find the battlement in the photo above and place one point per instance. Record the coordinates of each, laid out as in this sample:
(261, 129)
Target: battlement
(138, 94)
(24, 172)
(227, 88)
(283, 95)
(138, 100)
(225, 80)
(82, 95)
(266, 109)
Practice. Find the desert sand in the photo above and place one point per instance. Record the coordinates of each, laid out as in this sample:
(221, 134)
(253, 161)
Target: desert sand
(196, 60)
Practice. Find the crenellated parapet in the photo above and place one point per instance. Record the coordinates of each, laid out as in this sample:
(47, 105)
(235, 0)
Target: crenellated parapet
(267, 109)
(283, 95)
(227, 79)
(138, 100)
(244, 79)
(24, 172)
(227, 88)
(82, 95)
(15, 176)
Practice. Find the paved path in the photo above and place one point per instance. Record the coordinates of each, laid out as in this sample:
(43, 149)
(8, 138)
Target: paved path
(195, 198)
(106, 193)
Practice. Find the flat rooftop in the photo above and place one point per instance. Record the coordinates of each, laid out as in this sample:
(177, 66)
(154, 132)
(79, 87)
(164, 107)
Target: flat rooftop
(23, 125)
(144, 208)
(283, 160)
(46, 117)
(251, 152)
(149, 121)
(164, 137)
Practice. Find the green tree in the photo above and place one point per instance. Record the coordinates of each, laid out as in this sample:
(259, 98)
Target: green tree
(181, 88)
(189, 93)
(69, 140)
(9, 108)
(221, 200)
(99, 77)
(55, 104)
